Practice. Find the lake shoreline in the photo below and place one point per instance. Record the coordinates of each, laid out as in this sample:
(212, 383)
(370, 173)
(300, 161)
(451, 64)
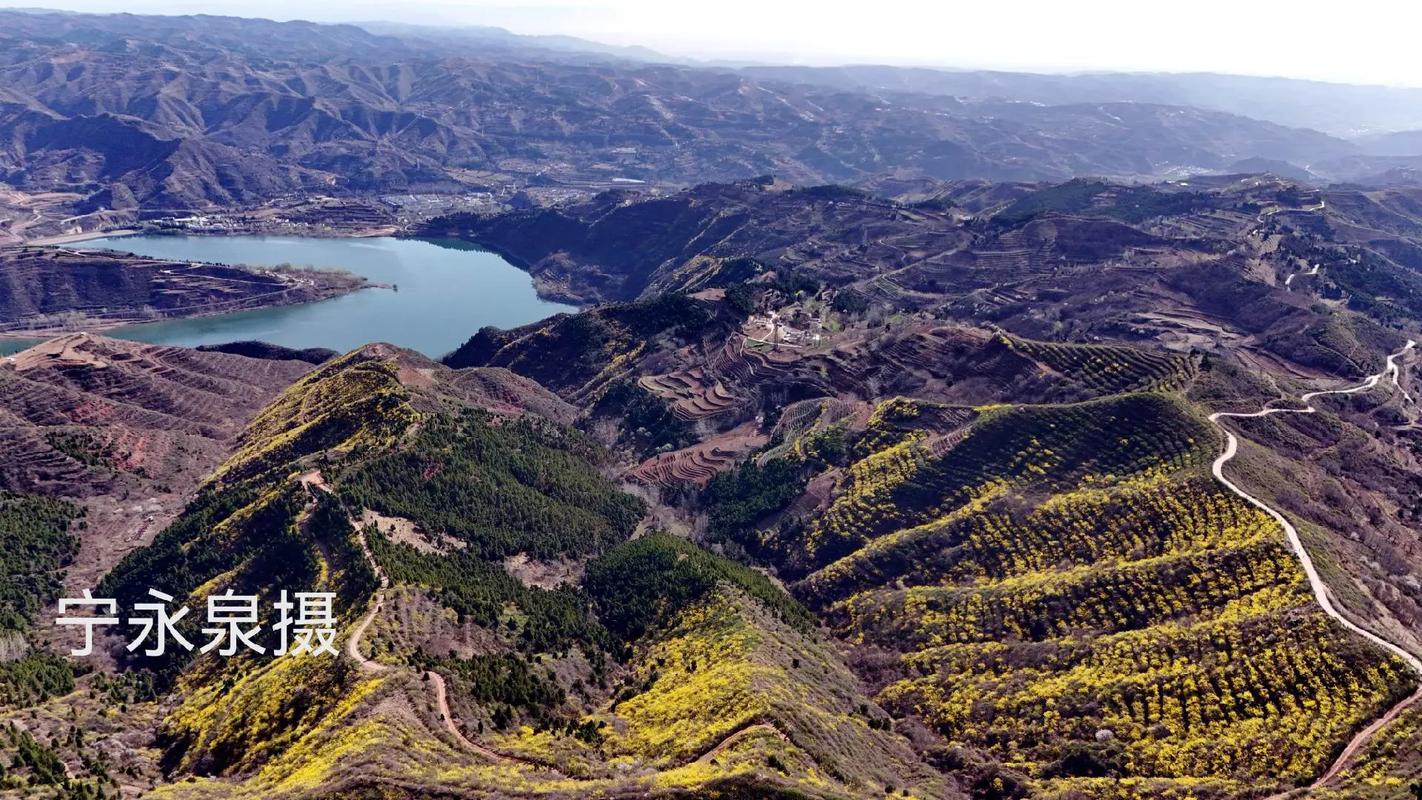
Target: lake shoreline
(103, 324)
(440, 292)
(547, 290)
(75, 238)
(149, 290)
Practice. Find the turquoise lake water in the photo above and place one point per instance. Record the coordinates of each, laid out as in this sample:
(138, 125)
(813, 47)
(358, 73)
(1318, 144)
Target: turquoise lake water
(447, 290)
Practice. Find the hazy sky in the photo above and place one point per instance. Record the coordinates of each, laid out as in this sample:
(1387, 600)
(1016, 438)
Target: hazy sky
(1373, 41)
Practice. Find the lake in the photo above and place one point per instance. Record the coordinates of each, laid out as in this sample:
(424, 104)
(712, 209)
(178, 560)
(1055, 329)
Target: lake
(447, 290)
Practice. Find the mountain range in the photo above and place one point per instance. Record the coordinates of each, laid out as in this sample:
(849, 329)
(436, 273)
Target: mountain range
(198, 112)
(964, 436)
(825, 494)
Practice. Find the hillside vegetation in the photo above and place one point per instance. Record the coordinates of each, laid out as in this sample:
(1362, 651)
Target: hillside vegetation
(36, 543)
(844, 497)
(1069, 591)
(652, 639)
(499, 486)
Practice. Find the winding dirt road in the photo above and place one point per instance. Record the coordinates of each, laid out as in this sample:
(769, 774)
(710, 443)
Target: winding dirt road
(313, 480)
(353, 643)
(440, 690)
(1321, 593)
(435, 680)
(749, 730)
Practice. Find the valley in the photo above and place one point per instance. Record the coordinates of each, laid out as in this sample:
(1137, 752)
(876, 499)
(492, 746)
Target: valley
(663, 429)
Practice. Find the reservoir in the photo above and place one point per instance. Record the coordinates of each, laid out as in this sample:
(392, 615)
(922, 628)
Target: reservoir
(445, 291)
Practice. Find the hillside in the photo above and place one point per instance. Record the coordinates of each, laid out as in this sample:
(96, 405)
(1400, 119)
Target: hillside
(223, 112)
(1226, 263)
(830, 495)
(1033, 580)
(427, 499)
(125, 429)
(1013, 526)
(997, 562)
(1206, 265)
(104, 440)
(989, 567)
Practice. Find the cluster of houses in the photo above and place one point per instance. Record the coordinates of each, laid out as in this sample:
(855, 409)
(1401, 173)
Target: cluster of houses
(795, 327)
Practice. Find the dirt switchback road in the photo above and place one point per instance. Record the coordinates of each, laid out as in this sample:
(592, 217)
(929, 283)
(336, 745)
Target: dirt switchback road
(313, 480)
(438, 688)
(1320, 590)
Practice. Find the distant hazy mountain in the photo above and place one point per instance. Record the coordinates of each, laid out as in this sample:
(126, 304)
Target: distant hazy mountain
(1399, 143)
(488, 35)
(198, 111)
(1338, 109)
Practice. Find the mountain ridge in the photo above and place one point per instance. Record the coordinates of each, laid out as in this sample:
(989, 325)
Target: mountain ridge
(233, 112)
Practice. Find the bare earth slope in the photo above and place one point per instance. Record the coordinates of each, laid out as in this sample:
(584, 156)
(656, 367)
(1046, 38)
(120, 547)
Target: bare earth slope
(127, 428)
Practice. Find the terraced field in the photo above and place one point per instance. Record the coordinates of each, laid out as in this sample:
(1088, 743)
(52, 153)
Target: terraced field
(937, 427)
(803, 423)
(1068, 589)
(1111, 369)
(110, 385)
(126, 429)
(1045, 448)
(692, 395)
(971, 366)
(699, 463)
(749, 363)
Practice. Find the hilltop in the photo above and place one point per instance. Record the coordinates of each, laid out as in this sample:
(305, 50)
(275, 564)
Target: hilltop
(1215, 263)
(381, 463)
